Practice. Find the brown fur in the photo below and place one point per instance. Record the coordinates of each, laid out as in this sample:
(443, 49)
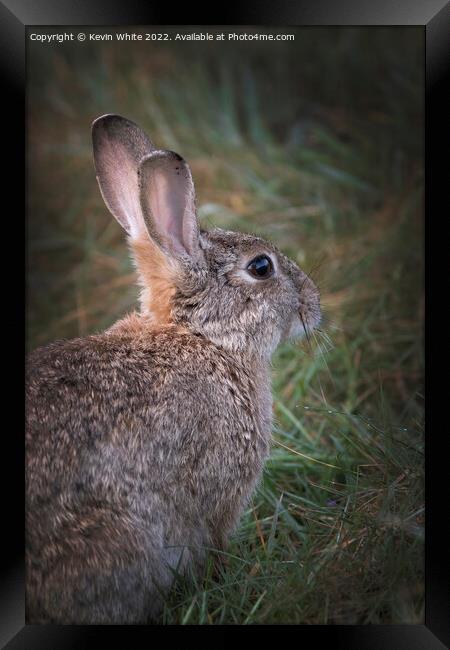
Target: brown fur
(156, 278)
(82, 521)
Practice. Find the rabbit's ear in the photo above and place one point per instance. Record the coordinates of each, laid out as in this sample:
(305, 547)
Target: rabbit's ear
(168, 203)
(119, 146)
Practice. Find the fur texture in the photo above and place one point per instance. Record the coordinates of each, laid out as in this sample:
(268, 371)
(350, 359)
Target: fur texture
(144, 443)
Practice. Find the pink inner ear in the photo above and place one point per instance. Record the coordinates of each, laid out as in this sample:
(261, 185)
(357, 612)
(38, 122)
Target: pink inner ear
(118, 181)
(169, 200)
(168, 203)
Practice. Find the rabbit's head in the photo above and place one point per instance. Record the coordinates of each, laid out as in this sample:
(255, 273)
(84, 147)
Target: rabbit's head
(237, 290)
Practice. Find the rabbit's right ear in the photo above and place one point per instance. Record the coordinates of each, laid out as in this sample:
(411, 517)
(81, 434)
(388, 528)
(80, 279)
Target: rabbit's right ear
(168, 204)
(119, 146)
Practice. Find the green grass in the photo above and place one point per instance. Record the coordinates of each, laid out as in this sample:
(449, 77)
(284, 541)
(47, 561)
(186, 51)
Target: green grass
(318, 148)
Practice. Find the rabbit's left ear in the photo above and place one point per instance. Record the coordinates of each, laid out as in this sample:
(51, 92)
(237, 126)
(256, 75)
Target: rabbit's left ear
(167, 199)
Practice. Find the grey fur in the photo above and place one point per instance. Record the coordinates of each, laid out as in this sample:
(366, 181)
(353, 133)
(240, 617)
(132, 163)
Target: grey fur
(144, 443)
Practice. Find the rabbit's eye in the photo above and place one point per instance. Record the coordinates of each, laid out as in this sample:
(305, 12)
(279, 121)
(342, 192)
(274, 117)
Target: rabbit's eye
(261, 267)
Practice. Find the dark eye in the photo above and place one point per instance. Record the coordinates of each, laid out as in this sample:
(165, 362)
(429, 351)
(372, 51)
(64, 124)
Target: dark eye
(261, 267)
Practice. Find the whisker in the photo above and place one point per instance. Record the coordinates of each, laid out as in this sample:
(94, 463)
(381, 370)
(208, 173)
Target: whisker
(332, 324)
(317, 266)
(309, 274)
(324, 360)
(325, 337)
(305, 329)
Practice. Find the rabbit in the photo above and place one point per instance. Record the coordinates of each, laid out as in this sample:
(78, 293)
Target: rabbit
(144, 443)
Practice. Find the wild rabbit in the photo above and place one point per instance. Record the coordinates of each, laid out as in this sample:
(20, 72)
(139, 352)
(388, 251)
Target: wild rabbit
(144, 443)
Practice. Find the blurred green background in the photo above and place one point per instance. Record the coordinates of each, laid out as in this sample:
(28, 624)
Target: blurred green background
(316, 144)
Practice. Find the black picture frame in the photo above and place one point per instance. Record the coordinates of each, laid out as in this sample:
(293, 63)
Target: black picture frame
(15, 16)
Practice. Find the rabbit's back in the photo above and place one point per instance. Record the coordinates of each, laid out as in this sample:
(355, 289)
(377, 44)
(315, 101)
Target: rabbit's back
(139, 442)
